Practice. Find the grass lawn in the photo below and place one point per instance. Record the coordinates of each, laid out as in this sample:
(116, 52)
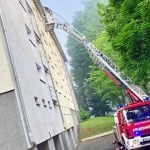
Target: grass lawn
(96, 126)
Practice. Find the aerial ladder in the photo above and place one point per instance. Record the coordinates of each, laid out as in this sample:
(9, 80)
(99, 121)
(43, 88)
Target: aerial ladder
(134, 93)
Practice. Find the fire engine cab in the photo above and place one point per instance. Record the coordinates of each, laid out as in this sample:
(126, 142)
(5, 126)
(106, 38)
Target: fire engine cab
(132, 122)
(132, 125)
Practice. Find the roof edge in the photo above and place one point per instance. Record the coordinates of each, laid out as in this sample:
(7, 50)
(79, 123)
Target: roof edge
(58, 45)
(41, 10)
(39, 6)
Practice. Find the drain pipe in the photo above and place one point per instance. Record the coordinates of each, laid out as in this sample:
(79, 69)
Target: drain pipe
(17, 84)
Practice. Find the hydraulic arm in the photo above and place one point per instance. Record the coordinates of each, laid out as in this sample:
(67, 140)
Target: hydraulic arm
(103, 62)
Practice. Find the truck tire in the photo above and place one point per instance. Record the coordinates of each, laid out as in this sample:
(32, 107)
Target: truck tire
(124, 145)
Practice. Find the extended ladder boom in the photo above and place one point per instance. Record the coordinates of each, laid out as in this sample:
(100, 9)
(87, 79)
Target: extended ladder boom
(108, 67)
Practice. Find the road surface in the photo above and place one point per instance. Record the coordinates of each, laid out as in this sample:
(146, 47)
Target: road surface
(102, 143)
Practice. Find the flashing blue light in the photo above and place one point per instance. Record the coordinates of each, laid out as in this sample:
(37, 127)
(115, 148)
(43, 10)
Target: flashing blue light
(137, 133)
(120, 105)
(147, 98)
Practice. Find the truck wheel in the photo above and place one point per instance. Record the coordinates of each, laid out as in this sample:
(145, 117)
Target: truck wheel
(119, 144)
(124, 148)
(124, 145)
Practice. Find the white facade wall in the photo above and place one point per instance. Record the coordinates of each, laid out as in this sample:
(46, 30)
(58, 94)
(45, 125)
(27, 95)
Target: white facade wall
(25, 68)
(6, 83)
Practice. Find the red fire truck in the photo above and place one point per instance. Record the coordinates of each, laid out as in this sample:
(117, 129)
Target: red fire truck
(132, 125)
(132, 122)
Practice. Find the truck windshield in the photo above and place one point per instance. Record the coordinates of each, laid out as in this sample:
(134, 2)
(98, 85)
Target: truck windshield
(138, 114)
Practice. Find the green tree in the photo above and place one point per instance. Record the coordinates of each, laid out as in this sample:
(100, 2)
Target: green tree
(84, 115)
(99, 106)
(93, 89)
(99, 82)
(127, 24)
(87, 23)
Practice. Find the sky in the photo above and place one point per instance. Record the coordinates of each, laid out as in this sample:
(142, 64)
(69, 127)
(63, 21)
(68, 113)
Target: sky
(66, 9)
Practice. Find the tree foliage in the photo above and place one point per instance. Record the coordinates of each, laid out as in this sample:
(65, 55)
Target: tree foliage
(127, 23)
(97, 80)
(124, 36)
(86, 22)
(99, 106)
(84, 115)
